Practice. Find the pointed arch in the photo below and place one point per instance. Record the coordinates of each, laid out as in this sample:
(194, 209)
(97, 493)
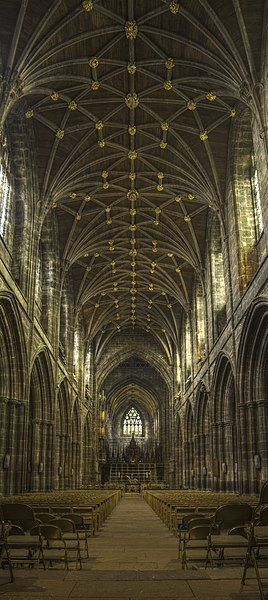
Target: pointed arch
(189, 447)
(252, 386)
(203, 438)
(87, 449)
(179, 451)
(75, 446)
(40, 434)
(224, 425)
(13, 373)
(63, 419)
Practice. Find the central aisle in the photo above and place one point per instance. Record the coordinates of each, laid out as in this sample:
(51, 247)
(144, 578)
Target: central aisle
(134, 538)
(133, 557)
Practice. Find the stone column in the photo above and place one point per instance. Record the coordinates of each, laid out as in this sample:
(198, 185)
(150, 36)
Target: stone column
(262, 424)
(12, 470)
(243, 450)
(21, 457)
(51, 458)
(35, 455)
(3, 449)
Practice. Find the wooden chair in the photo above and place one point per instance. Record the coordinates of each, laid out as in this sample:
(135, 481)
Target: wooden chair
(83, 529)
(227, 531)
(70, 536)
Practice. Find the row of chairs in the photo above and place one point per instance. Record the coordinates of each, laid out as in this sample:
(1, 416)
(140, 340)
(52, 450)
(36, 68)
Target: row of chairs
(235, 532)
(47, 534)
(95, 512)
(172, 505)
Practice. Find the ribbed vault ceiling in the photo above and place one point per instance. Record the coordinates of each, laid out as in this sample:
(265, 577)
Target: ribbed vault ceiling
(132, 104)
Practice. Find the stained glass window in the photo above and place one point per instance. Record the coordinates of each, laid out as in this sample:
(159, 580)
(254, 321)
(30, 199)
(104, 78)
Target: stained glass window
(5, 192)
(256, 196)
(132, 423)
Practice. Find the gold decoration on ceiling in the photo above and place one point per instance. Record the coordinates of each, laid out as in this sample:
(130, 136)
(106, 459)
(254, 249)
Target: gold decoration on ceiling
(163, 145)
(211, 96)
(101, 143)
(95, 85)
(203, 135)
(131, 68)
(99, 125)
(167, 85)
(174, 7)
(87, 5)
(60, 134)
(164, 126)
(191, 105)
(131, 30)
(187, 218)
(132, 154)
(29, 113)
(132, 100)
(132, 130)
(72, 105)
(93, 62)
(54, 96)
(132, 195)
(170, 64)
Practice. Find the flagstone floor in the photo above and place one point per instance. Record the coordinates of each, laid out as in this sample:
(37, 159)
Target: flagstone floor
(132, 557)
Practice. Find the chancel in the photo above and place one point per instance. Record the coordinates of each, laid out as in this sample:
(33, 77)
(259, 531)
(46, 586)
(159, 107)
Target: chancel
(133, 297)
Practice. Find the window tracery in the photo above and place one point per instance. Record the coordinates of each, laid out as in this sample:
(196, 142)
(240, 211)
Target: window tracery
(217, 277)
(132, 423)
(200, 323)
(188, 352)
(247, 199)
(256, 195)
(5, 192)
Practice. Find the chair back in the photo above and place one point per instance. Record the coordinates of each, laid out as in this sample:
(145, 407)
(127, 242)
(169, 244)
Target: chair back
(232, 515)
(200, 532)
(65, 525)
(263, 516)
(198, 521)
(19, 514)
(35, 530)
(50, 532)
(78, 520)
(186, 518)
(263, 494)
(45, 517)
(15, 530)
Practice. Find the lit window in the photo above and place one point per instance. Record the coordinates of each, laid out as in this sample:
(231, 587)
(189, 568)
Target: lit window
(188, 351)
(5, 192)
(76, 350)
(200, 323)
(132, 423)
(217, 276)
(256, 196)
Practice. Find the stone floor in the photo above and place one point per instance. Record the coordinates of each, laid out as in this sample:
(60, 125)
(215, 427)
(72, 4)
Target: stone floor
(133, 557)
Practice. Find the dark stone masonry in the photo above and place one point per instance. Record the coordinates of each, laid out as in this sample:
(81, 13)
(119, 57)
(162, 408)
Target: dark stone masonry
(133, 267)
